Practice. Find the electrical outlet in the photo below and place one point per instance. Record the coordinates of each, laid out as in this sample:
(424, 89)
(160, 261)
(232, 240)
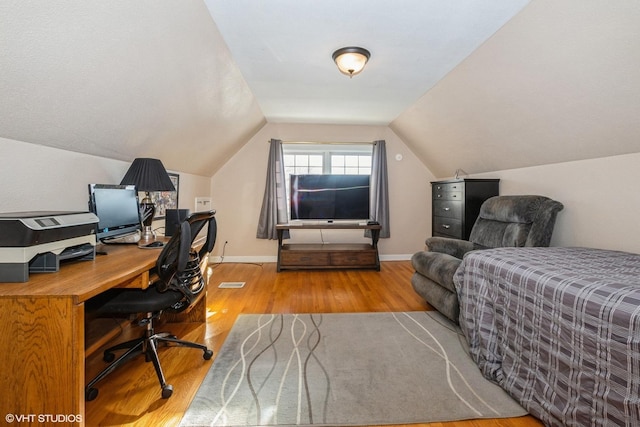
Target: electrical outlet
(203, 204)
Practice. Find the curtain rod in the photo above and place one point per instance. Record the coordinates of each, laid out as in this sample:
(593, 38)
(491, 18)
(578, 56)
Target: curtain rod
(326, 142)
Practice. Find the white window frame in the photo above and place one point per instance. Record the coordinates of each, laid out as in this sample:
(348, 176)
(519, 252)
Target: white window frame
(327, 150)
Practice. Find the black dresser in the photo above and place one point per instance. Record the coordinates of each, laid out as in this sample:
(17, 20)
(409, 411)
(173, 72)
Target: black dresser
(456, 204)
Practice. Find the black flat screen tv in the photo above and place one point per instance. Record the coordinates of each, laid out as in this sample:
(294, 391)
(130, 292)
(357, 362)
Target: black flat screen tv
(329, 197)
(117, 209)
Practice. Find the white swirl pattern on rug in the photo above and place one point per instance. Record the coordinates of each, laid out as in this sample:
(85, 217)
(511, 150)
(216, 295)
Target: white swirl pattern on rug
(441, 352)
(344, 369)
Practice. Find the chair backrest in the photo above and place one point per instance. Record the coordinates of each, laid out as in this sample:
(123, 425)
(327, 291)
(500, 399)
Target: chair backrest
(515, 221)
(179, 265)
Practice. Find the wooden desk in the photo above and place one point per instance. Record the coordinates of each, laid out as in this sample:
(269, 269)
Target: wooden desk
(42, 330)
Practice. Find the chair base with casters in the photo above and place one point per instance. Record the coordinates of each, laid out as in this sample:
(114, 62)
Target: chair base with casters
(148, 345)
(180, 285)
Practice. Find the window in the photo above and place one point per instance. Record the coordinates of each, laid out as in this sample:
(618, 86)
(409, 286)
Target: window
(303, 163)
(351, 164)
(320, 159)
(354, 159)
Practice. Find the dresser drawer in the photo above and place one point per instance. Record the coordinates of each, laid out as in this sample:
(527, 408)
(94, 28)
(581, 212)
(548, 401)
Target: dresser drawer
(448, 226)
(447, 186)
(447, 208)
(447, 195)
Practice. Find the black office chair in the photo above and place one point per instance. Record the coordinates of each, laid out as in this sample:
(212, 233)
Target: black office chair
(179, 268)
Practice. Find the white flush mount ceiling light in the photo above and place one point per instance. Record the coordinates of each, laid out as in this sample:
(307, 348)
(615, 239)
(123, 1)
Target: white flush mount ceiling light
(351, 60)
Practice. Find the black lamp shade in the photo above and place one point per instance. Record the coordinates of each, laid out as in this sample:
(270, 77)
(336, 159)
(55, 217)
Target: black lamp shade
(148, 175)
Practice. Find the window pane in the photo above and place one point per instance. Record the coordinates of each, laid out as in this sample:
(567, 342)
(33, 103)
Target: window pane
(351, 161)
(316, 160)
(337, 161)
(302, 160)
(365, 161)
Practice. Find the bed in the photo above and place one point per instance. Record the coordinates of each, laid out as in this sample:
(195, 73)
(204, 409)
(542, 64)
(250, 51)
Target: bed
(558, 329)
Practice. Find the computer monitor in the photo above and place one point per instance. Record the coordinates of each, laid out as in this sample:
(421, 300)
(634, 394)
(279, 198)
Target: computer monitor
(117, 209)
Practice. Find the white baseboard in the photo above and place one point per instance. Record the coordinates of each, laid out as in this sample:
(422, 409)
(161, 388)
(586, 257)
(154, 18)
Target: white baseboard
(396, 257)
(244, 259)
(274, 259)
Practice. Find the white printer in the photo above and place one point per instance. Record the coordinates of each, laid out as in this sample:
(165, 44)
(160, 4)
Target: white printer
(37, 241)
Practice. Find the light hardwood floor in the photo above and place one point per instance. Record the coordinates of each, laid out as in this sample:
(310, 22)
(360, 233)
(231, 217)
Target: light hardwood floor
(131, 395)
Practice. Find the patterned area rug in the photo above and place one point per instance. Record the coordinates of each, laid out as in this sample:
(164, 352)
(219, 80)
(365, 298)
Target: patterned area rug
(345, 370)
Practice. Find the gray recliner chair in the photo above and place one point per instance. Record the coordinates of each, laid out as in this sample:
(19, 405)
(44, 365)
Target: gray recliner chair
(504, 221)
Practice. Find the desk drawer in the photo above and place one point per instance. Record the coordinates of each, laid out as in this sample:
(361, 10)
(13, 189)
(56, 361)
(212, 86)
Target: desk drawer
(448, 226)
(447, 209)
(138, 282)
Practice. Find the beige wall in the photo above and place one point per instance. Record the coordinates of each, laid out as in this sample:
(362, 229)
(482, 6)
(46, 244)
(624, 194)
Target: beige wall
(558, 83)
(239, 185)
(600, 197)
(36, 178)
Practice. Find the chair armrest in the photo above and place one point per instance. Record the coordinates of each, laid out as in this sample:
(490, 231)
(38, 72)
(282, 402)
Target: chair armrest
(453, 247)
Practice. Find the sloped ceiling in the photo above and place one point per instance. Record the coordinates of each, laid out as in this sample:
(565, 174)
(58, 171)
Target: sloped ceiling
(559, 82)
(124, 79)
(284, 48)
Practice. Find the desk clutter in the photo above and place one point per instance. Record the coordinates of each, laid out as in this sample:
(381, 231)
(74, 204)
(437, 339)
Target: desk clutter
(37, 241)
(45, 322)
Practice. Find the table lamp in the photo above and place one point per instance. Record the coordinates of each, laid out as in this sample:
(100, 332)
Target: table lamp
(147, 175)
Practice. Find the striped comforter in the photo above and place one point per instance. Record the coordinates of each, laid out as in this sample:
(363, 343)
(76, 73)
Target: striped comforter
(558, 329)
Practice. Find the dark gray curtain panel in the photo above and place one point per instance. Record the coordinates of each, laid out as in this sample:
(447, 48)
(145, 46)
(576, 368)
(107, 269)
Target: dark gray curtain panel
(379, 203)
(274, 202)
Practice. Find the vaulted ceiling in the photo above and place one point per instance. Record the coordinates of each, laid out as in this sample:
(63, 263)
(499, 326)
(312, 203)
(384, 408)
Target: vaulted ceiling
(478, 85)
(283, 50)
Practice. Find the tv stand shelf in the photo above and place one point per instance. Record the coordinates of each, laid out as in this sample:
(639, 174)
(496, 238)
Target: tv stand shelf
(300, 256)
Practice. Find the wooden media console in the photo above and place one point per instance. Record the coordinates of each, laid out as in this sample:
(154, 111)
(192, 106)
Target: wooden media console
(298, 256)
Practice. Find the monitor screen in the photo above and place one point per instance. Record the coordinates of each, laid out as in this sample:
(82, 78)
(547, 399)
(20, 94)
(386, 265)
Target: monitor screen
(117, 209)
(329, 197)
